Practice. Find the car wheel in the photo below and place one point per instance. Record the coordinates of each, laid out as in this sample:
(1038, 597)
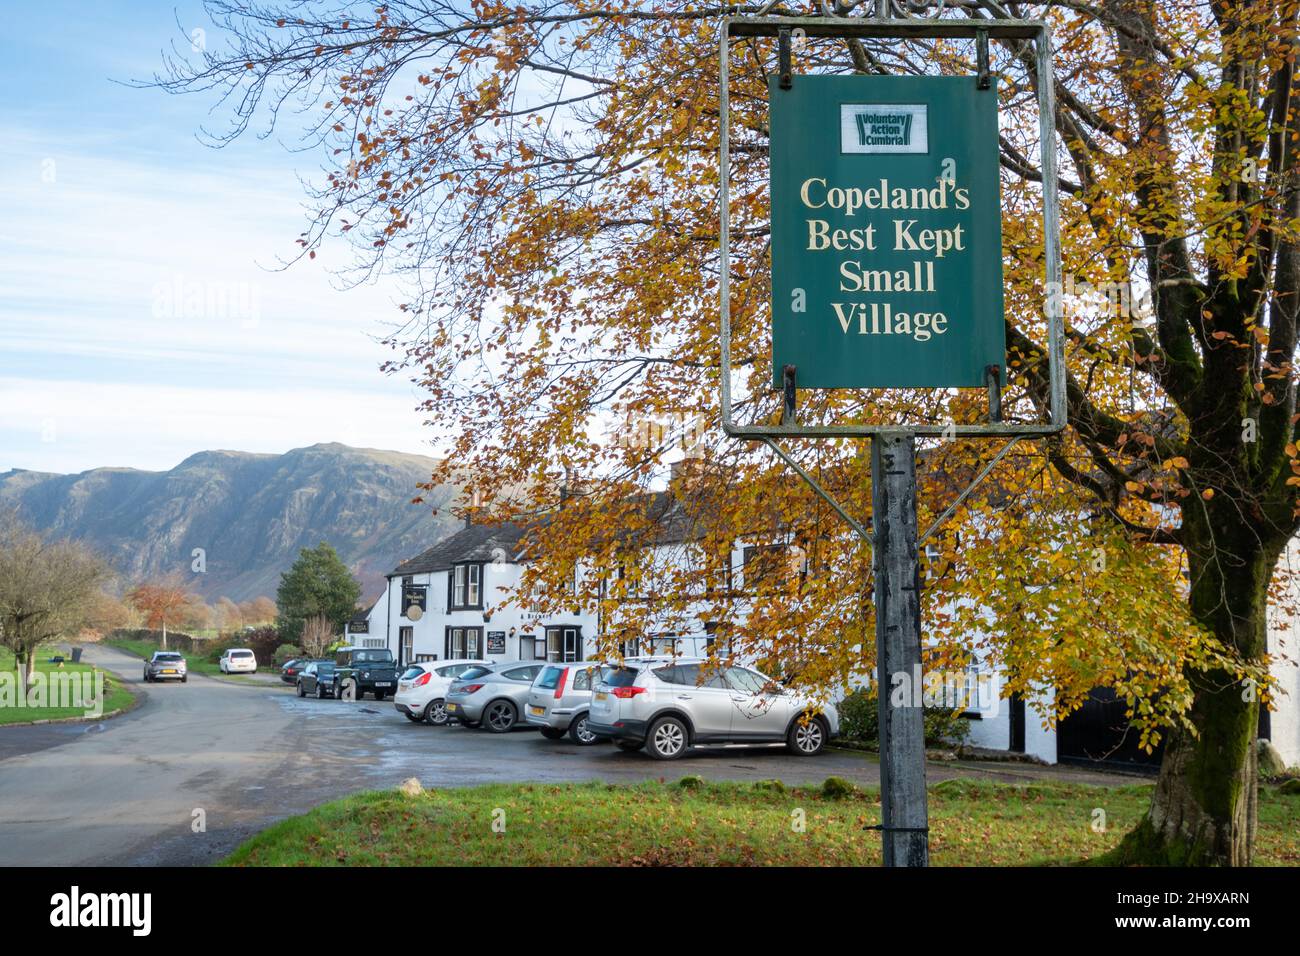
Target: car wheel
(579, 733)
(302, 692)
(628, 745)
(185, 679)
(500, 716)
(436, 712)
(320, 691)
(806, 739)
(552, 733)
(667, 739)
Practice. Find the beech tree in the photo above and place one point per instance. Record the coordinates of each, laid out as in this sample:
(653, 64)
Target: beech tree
(166, 601)
(543, 176)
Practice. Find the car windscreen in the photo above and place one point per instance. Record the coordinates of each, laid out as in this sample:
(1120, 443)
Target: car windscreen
(167, 657)
(373, 657)
(550, 678)
(412, 672)
(618, 676)
(241, 653)
(325, 667)
(475, 671)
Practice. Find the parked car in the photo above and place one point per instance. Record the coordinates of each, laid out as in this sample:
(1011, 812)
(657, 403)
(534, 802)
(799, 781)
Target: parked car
(290, 669)
(669, 707)
(165, 665)
(559, 700)
(492, 694)
(422, 689)
(238, 660)
(371, 669)
(316, 680)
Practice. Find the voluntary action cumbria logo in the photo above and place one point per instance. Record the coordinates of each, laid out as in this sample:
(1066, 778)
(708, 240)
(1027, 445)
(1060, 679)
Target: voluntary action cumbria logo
(76, 690)
(884, 128)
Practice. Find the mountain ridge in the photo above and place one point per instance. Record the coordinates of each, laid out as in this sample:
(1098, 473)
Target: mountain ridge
(250, 512)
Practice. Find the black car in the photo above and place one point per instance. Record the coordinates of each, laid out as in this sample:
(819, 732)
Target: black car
(316, 679)
(367, 669)
(290, 670)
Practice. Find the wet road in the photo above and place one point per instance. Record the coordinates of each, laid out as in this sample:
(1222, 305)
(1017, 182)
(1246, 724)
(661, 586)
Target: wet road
(236, 757)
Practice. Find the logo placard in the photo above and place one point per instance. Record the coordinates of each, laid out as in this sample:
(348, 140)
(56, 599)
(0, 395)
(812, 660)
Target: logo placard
(884, 128)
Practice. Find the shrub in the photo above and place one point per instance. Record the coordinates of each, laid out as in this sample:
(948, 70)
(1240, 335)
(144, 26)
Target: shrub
(691, 782)
(775, 786)
(860, 721)
(836, 788)
(285, 653)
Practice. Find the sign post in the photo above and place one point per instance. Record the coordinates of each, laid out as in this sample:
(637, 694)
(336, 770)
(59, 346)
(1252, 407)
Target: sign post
(904, 813)
(887, 273)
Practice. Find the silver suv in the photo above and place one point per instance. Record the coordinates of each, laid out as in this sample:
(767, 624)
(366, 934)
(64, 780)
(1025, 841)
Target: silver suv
(560, 698)
(669, 707)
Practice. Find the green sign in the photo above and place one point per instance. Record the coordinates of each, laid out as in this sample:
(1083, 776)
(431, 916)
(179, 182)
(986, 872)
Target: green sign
(886, 232)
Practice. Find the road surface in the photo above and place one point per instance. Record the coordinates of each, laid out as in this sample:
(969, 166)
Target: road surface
(238, 756)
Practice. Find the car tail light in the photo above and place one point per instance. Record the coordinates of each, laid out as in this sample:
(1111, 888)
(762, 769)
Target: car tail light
(624, 693)
(421, 680)
(559, 687)
(471, 688)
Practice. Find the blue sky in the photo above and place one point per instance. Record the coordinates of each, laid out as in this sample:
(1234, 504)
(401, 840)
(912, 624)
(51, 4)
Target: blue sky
(141, 316)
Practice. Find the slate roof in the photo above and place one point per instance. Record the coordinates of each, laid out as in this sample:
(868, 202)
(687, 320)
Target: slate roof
(478, 542)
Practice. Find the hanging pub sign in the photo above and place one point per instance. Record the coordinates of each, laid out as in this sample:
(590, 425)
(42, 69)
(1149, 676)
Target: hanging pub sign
(414, 595)
(886, 232)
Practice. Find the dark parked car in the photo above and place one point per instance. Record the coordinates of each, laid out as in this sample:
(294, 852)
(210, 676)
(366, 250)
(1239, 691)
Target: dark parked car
(290, 670)
(371, 670)
(316, 680)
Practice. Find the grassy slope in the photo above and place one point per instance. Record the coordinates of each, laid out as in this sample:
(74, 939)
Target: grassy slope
(973, 823)
(117, 696)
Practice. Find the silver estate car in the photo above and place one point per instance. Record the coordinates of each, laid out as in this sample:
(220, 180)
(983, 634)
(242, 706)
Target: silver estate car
(669, 707)
(493, 695)
(560, 698)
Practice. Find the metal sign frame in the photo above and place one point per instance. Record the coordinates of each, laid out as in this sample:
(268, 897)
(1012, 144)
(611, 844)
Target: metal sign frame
(853, 27)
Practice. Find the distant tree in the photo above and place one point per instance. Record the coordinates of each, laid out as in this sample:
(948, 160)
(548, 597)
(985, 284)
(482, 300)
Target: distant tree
(164, 601)
(227, 614)
(260, 610)
(315, 597)
(48, 590)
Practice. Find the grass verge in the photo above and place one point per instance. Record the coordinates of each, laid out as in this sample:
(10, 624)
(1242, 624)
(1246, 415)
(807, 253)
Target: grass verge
(973, 823)
(117, 696)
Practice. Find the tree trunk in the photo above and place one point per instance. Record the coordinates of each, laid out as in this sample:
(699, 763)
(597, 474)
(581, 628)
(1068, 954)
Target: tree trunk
(164, 636)
(1203, 810)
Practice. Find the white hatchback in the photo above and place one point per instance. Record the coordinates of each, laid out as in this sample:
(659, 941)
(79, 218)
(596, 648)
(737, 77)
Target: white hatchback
(238, 660)
(422, 687)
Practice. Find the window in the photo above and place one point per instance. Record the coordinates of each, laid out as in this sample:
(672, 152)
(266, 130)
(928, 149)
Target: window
(691, 675)
(564, 643)
(464, 641)
(531, 648)
(550, 678)
(522, 673)
(474, 670)
(766, 565)
(466, 587)
(582, 679)
(407, 637)
(748, 682)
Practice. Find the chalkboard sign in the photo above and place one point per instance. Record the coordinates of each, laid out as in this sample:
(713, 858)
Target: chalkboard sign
(496, 642)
